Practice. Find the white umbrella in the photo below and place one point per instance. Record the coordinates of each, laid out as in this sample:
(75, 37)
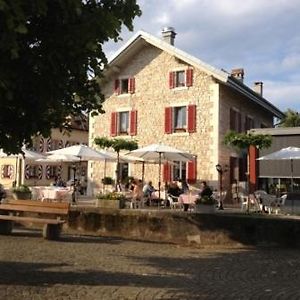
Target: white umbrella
(83, 152)
(55, 158)
(289, 153)
(27, 154)
(160, 152)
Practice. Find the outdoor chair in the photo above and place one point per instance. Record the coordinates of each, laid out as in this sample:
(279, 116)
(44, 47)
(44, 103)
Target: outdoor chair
(174, 201)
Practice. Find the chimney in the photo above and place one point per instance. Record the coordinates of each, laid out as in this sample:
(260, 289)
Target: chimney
(238, 74)
(168, 35)
(258, 87)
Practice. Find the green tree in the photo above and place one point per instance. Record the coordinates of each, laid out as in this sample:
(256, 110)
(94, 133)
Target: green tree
(291, 119)
(117, 144)
(51, 60)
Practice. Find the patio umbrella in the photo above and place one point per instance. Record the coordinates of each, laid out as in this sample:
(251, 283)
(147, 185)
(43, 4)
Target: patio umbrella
(55, 158)
(159, 153)
(289, 153)
(83, 152)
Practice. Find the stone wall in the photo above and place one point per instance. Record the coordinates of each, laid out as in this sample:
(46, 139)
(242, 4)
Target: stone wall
(187, 228)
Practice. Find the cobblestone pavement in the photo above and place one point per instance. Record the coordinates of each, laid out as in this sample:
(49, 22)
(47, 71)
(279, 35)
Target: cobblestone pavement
(82, 267)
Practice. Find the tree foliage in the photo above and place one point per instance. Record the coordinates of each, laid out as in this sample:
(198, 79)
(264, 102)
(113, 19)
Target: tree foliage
(50, 56)
(245, 140)
(117, 144)
(291, 119)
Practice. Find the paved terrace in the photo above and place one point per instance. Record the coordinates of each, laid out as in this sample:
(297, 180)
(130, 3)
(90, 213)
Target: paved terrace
(85, 267)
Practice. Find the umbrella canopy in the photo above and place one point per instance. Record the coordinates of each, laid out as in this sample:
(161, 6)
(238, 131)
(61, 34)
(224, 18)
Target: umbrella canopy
(289, 153)
(160, 152)
(27, 154)
(83, 152)
(55, 158)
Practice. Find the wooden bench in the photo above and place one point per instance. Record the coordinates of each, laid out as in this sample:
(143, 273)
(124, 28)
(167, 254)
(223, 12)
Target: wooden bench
(48, 213)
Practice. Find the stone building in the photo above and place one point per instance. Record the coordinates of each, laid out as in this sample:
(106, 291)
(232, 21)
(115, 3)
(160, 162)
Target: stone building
(157, 93)
(15, 170)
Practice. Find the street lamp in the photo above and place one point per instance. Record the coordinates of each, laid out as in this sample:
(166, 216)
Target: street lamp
(221, 170)
(74, 183)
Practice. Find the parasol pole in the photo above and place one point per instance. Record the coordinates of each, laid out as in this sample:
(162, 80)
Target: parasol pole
(292, 184)
(143, 172)
(159, 170)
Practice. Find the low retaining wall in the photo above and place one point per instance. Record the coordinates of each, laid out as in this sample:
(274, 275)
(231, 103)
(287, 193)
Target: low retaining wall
(188, 228)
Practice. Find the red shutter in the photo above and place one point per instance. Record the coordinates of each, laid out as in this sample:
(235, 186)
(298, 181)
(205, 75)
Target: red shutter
(189, 77)
(113, 124)
(191, 126)
(192, 171)
(133, 122)
(131, 85)
(171, 80)
(166, 172)
(117, 86)
(168, 120)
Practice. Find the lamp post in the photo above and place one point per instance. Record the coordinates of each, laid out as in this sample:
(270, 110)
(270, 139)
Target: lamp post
(221, 170)
(74, 184)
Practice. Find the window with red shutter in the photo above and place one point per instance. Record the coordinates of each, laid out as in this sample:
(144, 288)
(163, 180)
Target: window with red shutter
(189, 77)
(192, 171)
(117, 86)
(166, 172)
(168, 120)
(131, 85)
(171, 80)
(191, 118)
(133, 122)
(113, 127)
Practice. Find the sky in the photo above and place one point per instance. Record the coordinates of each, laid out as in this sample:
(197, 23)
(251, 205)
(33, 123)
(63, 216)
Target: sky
(260, 36)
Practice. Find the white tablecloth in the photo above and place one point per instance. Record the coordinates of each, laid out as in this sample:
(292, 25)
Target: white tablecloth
(187, 198)
(51, 193)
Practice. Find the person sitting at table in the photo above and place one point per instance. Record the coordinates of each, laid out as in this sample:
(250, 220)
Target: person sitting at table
(184, 186)
(205, 190)
(148, 189)
(174, 191)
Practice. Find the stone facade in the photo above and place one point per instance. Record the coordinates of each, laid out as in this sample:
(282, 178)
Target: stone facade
(150, 66)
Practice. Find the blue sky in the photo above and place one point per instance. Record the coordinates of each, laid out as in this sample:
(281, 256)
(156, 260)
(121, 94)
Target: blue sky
(263, 37)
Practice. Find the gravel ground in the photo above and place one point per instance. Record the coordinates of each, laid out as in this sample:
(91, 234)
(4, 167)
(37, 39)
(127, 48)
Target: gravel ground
(85, 267)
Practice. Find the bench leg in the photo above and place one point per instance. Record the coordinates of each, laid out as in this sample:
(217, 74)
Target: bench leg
(51, 231)
(6, 227)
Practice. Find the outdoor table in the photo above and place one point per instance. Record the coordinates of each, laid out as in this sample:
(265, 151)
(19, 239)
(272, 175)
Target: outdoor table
(51, 193)
(187, 200)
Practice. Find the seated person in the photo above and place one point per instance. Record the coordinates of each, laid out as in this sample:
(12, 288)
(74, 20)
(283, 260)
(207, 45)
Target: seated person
(137, 192)
(184, 187)
(148, 189)
(205, 190)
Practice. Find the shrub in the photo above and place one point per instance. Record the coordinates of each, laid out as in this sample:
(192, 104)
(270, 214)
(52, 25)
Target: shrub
(206, 200)
(22, 189)
(107, 180)
(111, 196)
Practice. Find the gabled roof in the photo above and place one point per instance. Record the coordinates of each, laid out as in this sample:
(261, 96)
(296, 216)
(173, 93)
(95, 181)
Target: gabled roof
(141, 39)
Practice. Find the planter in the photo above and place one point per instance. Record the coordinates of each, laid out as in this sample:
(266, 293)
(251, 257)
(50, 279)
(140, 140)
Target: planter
(204, 208)
(108, 203)
(21, 195)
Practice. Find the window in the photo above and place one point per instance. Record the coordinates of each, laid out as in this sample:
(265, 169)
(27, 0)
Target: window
(53, 171)
(123, 123)
(124, 86)
(180, 170)
(33, 171)
(181, 78)
(249, 123)
(235, 120)
(7, 171)
(180, 119)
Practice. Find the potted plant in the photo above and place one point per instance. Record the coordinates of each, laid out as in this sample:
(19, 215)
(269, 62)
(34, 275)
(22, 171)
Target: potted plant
(22, 192)
(205, 204)
(107, 180)
(111, 200)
